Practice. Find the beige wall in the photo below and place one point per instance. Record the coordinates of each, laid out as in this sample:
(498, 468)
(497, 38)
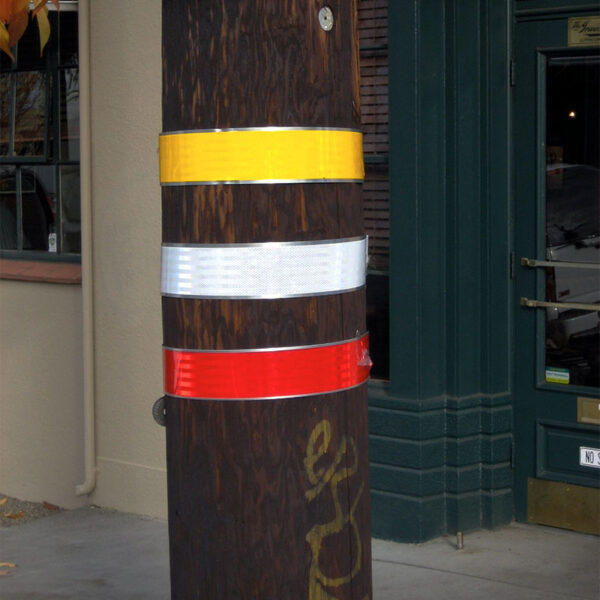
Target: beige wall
(126, 120)
(41, 441)
(41, 367)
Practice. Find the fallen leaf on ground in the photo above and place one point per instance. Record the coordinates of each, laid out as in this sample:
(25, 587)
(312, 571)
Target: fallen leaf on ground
(6, 571)
(18, 515)
(49, 506)
(3, 501)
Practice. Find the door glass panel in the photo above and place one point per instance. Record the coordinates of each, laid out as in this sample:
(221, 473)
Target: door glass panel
(573, 219)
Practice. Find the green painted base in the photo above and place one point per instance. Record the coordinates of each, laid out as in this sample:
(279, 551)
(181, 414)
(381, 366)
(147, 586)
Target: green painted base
(407, 520)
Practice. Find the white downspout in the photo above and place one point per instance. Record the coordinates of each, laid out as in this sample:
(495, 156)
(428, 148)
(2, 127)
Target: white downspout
(87, 273)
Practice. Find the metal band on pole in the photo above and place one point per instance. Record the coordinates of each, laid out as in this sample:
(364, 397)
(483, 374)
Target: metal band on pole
(261, 155)
(267, 270)
(268, 373)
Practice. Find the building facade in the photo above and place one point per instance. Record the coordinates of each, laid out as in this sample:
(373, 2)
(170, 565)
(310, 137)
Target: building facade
(482, 407)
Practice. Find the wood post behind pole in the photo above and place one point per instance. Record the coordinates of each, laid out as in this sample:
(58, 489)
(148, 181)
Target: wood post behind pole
(268, 499)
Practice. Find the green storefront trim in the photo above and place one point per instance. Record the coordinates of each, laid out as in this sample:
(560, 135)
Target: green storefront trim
(441, 429)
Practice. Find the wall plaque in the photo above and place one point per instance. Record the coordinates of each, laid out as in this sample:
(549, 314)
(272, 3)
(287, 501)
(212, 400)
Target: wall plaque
(584, 31)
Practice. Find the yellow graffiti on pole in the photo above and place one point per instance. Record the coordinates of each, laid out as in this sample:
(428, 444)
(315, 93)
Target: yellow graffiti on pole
(331, 476)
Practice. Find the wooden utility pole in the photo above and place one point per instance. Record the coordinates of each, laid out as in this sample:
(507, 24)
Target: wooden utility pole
(263, 301)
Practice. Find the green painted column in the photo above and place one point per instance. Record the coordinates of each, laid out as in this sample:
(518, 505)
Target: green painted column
(441, 429)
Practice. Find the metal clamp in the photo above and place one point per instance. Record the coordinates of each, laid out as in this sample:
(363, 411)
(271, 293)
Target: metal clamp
(532, 262)
(572, 305)
(159, 412)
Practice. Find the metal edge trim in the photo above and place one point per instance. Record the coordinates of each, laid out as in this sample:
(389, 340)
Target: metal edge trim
(268, 244)
(264, 128)
(280, 297)
(259, 181)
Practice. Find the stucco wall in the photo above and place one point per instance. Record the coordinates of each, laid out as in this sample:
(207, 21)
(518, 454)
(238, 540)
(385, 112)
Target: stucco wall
(41, 441)
(126, 120)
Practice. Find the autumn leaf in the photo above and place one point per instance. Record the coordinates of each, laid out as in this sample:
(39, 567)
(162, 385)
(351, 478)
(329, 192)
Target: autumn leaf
(5, 10)
(49, 506)
(8, 8)
(5, 41)
(18, 25)
(14, 18)
(44, 27)
(3, 501)
(18, 515)
(9, 565)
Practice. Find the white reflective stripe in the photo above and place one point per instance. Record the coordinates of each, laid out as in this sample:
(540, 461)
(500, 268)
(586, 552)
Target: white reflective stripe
(269, 270)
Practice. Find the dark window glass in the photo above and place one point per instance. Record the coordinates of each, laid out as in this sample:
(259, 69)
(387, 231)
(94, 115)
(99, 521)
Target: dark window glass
(5, 112)
(68, 40)
(38, 199)
(30, 113)
(8, 208)
(28, 49)
(71, 214)
(39, 143)
(573, 219)
(69, 113)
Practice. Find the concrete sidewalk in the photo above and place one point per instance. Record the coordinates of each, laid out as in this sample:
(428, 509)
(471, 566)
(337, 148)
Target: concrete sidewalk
(93, 554)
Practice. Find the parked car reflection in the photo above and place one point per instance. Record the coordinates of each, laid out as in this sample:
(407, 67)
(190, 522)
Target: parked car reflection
(573, 235)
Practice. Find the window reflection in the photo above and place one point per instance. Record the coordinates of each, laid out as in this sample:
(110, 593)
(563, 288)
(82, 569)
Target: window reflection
(71, 213)
(69, 114)
(8, 208)
(38, 196)
(573, 219)
(4, 113)
(30, 113)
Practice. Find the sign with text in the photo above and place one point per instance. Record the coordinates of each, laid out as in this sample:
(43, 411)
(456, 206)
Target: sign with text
(589, 457)
(584, 31)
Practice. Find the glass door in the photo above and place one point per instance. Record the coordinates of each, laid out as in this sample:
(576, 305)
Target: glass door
(557, 277)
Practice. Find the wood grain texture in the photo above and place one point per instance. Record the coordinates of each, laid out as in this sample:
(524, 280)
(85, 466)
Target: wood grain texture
(238, 528)
(261, 213)
(249, 63)
(230, 324)
(244, 512)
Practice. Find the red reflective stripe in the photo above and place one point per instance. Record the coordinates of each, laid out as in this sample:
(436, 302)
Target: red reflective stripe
(267, 374)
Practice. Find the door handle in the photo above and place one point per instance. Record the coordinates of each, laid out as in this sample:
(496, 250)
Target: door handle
(532, 262)
(543, 304)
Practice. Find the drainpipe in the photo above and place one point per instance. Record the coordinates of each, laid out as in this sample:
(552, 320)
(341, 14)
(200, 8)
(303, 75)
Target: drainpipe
(87, 279)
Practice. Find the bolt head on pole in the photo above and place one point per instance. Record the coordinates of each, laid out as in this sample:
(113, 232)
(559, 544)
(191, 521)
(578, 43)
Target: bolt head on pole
(326, 18)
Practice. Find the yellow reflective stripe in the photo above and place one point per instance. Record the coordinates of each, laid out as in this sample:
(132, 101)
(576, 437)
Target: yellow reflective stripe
(269, 155)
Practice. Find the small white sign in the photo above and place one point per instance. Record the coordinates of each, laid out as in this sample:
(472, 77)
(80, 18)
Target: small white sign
(52, 242)
(589, 457)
